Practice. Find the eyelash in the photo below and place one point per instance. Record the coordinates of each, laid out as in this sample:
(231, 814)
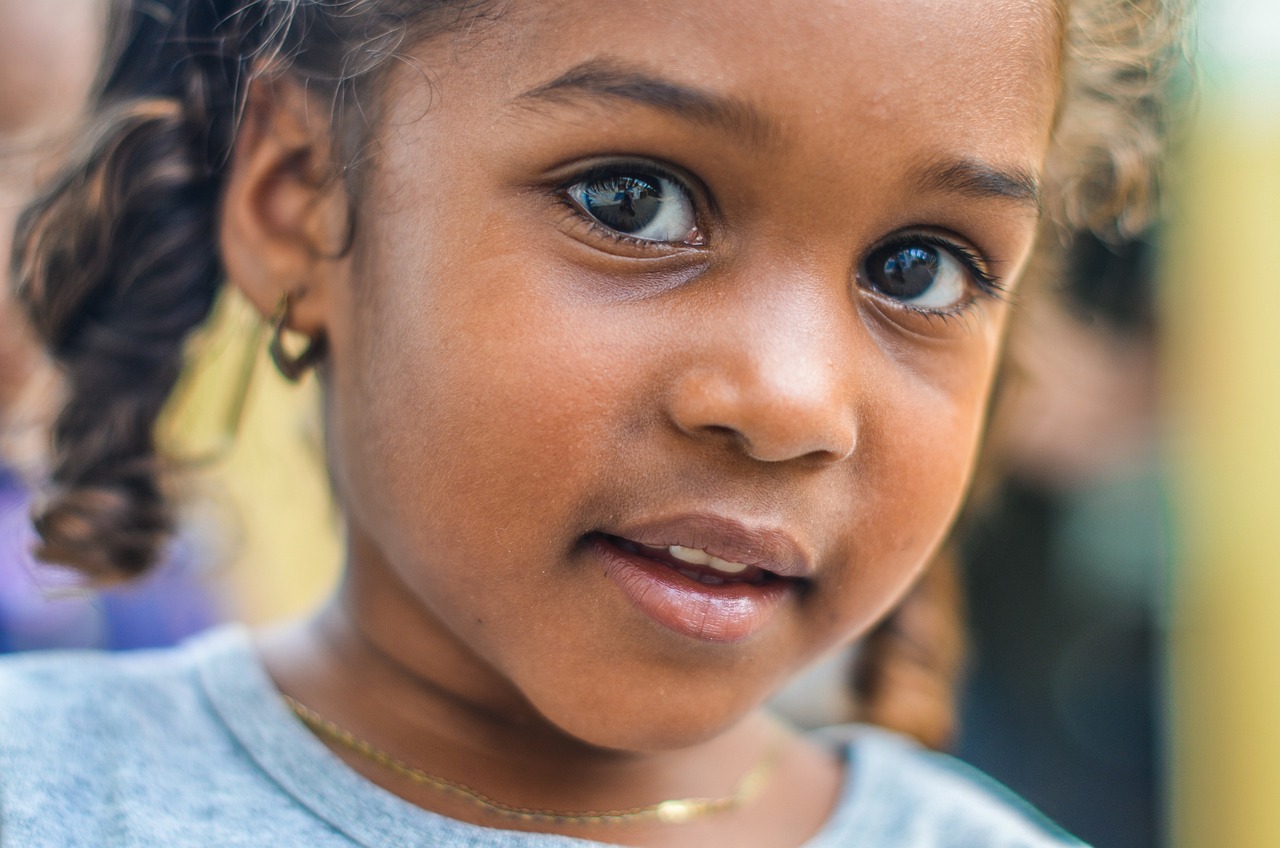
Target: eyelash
(601, 230)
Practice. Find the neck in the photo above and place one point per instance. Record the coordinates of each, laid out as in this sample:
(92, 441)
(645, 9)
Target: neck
(514, 757)
(378, 664)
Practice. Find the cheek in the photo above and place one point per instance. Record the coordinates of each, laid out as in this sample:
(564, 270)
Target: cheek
(469, 412)
(930, 432)
(919, 442)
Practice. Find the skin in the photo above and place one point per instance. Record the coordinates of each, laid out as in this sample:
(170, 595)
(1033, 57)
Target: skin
(504, 379)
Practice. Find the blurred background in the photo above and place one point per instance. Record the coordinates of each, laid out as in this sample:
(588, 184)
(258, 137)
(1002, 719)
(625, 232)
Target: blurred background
(1124, 578)
(1222, 373)
(1122, 574)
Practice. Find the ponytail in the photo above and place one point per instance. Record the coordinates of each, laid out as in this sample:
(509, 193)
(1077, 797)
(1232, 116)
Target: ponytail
(116, 262)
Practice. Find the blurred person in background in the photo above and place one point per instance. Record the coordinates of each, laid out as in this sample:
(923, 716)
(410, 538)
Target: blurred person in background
(49, 54)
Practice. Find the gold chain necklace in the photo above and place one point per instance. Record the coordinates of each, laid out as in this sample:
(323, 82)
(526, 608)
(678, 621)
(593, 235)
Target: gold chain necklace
(674, 811)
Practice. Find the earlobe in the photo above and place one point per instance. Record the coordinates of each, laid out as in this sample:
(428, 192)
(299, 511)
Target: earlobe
(284, 212)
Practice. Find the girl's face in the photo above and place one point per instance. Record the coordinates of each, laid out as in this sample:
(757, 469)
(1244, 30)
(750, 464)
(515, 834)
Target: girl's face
(724, 276)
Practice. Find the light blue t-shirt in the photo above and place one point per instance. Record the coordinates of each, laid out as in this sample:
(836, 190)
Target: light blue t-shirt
(193, 748)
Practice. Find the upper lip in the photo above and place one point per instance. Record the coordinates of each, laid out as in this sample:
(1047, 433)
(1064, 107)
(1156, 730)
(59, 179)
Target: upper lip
(768, 548)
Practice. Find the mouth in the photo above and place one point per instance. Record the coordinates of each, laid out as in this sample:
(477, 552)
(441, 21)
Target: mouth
(702, 578)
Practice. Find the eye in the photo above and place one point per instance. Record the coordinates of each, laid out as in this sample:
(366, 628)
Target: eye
(926, 273)
(640, 205)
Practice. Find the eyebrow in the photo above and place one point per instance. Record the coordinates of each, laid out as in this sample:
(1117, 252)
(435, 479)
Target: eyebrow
(608, 81)
(980, 180)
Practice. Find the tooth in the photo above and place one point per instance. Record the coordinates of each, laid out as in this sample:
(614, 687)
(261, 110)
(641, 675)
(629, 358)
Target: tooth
(693, 556)
(726, 566)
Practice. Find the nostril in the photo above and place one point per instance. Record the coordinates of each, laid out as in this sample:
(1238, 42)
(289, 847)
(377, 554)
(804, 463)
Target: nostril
(724, 435)
(727, 432)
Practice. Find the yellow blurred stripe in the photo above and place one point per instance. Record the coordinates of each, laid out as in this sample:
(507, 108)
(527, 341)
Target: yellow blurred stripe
(1223, 357)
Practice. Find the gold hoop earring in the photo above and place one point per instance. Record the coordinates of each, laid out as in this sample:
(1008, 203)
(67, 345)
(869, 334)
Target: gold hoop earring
(291, 367)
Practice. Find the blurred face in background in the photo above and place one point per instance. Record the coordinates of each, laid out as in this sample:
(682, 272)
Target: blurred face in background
(48, 56)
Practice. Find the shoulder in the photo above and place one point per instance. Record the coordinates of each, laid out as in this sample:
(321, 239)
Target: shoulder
(82, 707)
(87, 738)
(62, 692)
(904, 795)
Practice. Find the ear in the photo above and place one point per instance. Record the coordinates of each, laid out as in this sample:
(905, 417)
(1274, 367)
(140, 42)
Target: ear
(285, 214)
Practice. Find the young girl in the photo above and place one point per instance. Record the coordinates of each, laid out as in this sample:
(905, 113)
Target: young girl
(656, 340)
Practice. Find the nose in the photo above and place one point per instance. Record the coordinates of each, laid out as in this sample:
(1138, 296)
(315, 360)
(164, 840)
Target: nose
(779, 389)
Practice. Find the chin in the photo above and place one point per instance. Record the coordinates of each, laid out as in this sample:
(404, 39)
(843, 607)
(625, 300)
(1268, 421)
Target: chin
(661, 734)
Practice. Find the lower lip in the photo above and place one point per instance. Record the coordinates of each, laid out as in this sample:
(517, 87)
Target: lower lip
(727, 612)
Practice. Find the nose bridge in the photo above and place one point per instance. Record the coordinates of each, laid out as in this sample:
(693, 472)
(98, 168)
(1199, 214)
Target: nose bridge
(775, 372)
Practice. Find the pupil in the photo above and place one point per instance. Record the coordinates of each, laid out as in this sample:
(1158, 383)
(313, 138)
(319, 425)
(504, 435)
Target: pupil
(908, 272)
(626, 204)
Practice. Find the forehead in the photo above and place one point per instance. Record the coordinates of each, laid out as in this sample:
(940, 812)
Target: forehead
(979, 71)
